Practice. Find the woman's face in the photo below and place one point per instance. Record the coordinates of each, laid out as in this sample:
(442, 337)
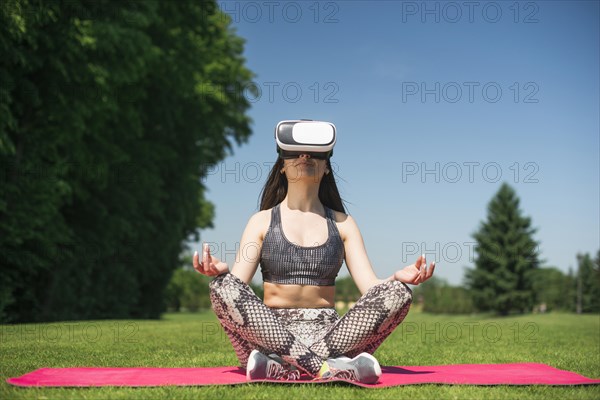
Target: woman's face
(304, 167)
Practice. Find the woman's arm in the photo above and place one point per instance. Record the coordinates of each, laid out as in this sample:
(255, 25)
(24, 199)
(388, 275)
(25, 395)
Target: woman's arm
(357, 261)
(360, 267)
(248, 255)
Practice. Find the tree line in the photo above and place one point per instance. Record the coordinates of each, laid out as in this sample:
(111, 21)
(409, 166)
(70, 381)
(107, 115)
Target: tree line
(575, 291)
(106, 131)
(553, 290)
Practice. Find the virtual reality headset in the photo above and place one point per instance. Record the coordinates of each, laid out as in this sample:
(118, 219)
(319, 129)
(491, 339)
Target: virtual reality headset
(304, 136)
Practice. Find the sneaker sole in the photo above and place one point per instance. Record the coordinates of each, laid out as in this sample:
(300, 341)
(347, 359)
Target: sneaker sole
(376, 366)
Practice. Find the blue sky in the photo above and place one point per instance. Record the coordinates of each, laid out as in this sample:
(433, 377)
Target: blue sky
(436, 105)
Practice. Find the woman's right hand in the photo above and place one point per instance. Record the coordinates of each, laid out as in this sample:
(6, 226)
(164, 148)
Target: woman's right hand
(210, 266)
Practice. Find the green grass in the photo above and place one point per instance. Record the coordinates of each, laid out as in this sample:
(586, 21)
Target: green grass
(565, 341)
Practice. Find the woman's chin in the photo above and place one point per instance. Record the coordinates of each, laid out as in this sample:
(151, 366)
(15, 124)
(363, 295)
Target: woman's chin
(305, 176)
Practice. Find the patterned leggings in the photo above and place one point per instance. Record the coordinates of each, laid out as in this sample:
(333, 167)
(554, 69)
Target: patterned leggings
(305, 337)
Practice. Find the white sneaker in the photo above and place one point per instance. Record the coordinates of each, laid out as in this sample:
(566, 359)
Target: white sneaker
(261, 366)
(363, 368)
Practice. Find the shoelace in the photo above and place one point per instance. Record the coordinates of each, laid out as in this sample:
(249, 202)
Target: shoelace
(292, 375)
(348, 374)
(277, 371)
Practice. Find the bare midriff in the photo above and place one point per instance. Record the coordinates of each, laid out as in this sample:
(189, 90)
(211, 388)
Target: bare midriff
(298, 296)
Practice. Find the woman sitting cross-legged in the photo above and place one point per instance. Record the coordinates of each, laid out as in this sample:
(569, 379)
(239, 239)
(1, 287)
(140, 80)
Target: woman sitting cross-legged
(300, 237)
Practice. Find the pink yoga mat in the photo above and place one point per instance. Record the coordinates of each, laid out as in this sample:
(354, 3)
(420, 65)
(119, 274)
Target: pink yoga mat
(462, 374)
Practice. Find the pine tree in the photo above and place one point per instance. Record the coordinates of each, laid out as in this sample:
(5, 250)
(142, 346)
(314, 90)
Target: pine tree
(507, 257)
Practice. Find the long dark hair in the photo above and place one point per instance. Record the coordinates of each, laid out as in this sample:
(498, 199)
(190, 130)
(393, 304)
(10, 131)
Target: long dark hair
(276, 188)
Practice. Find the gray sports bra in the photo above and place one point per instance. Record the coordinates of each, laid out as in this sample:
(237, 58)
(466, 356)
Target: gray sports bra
(286, 263)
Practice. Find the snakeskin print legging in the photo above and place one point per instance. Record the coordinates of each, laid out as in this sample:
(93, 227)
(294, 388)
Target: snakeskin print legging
(305, 337)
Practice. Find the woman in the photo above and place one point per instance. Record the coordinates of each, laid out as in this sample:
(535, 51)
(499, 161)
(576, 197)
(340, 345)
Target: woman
(300, 237)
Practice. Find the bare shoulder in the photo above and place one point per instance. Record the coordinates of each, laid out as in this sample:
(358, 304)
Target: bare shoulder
(340, 217)
(259, 222)
(261, 216)
(345, 223)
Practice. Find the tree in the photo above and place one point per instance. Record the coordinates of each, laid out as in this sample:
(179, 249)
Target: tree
(346, 290)
(111, 113)
(190, 290)
(439, 297)
(553, 288)
(588, 283)
(506, 259)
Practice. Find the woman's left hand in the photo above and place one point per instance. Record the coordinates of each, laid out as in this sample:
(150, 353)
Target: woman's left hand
(416, 273)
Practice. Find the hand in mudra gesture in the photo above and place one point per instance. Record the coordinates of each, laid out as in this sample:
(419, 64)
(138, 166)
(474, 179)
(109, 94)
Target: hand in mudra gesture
(209, 265)
(416, 273)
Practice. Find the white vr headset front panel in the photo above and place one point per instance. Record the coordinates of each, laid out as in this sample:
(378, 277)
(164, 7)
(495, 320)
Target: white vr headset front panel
(301, 135)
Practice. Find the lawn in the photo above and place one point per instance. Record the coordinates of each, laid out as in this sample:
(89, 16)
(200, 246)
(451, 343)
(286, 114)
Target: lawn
(564, 341)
